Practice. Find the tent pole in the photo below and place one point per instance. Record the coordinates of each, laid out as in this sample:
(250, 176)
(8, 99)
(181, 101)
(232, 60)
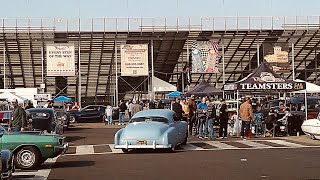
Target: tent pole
(292, 56)
(306, 103)
(237, 104)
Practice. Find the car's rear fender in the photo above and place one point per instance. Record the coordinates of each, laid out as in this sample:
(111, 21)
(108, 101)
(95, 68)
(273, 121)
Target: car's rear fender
(118, 136)
(170, 136)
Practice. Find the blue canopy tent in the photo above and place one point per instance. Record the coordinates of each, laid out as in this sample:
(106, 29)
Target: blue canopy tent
(174, 94)
(62, 99)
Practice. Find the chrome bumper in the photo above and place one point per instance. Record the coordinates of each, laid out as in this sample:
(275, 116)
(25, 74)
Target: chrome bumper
(143, 146)
(61, 149)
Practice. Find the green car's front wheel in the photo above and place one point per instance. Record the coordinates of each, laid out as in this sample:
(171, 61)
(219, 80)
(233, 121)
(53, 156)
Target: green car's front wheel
(27, 157)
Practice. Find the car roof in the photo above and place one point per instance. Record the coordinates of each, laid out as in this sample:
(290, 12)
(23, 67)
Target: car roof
(166, 113)
(95, 106)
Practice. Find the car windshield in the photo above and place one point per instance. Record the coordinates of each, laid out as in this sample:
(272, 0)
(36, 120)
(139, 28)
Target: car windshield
(148, 119)
(40, 115)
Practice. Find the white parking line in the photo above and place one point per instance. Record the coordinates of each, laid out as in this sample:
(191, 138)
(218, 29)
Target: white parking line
(114, 150)
(286, 143)
(84, 149)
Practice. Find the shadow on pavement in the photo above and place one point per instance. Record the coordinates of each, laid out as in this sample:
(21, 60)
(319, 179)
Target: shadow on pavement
(151, 151)
(74, 138)
(72, 164)
(76, 129)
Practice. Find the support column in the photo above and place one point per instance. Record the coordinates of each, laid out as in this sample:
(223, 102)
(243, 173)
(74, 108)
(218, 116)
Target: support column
(42, 69)
(152, 72)
(293, 66)
(223, 66)
(188, 62)
(116, 61)
(79, 75)
(258, 53)
(4, 66)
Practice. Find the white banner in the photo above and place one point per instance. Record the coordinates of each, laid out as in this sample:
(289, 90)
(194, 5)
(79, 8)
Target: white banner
(60, 59)
(134, 60)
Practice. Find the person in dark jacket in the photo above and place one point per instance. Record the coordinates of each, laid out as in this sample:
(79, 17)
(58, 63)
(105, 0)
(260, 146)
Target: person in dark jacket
(177, 108)
(29, 106)
(223, 130)
(122, 112)
(18, 122)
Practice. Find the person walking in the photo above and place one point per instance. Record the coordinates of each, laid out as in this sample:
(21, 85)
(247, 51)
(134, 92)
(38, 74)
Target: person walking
(223, 130)
(211, 118)
(130, 105)
(136, 108)
(109, 112)
(177, 108)
(122, 112)
(246, 113)
(18, 122)
(192, 113)
(202, 115)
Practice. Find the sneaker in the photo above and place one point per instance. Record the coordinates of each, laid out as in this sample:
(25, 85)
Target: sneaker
(206, 137)
(244, 138)
(119, 124)
(225, 137)
(220, 137)
(200, 137)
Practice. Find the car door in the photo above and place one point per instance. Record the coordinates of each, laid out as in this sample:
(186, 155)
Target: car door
(179, 128)
(89, 112)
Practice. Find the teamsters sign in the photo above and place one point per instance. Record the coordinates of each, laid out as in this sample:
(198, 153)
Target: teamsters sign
(60, 59)
(134, 60)
(267, 81)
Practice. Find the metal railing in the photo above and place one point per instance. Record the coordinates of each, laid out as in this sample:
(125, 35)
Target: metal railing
(139, 24)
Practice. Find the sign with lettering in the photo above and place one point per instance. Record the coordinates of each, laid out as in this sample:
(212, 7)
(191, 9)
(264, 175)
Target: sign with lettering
(60, 59)
(134, 60)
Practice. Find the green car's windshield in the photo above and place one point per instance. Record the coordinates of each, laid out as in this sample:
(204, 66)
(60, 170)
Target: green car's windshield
(148, 119)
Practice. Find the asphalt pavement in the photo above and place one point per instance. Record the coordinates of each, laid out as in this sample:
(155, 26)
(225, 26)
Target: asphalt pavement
(91, 156)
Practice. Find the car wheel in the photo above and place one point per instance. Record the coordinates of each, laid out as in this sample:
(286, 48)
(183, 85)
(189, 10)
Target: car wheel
(27, 158)
(72, 119)
(125, 150)
(186, 139)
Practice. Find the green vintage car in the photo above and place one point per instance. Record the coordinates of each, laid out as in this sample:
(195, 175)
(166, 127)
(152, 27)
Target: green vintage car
(32, 148)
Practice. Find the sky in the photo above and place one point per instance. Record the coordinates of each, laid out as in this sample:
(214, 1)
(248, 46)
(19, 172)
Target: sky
(156, 8)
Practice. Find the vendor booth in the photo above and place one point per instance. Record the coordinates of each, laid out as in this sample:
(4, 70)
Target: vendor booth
(204, 89)
(263, 79)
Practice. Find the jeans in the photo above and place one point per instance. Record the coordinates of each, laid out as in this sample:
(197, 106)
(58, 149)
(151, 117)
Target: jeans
(202, 123)
(191, 123)
(109, 120)
(210, 128)
(245, 128)
(121, 117)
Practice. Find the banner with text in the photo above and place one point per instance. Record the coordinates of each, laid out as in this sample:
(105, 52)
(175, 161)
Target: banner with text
(205, 57)
(60, 59)
(134, 60)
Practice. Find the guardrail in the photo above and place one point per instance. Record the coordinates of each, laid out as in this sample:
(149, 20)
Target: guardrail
(153, 24)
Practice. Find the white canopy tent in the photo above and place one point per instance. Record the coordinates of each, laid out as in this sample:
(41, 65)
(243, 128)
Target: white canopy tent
(162, 86)
(310, 87)
(10, 96)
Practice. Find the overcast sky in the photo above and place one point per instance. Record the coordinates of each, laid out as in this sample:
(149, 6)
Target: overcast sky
(156, 8)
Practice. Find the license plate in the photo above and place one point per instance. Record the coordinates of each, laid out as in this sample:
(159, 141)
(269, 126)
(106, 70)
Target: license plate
(142, 142)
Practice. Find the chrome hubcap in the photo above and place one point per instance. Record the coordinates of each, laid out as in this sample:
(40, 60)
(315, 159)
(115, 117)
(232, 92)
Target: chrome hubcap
(26, 158)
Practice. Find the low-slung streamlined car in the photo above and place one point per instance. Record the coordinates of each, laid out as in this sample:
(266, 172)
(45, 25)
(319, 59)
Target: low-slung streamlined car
(152, 129)
(311, 127)
(31, 148)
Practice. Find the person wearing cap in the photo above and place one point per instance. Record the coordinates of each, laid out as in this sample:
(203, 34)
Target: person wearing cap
(223, 130)
(246, 113)
(18, 122)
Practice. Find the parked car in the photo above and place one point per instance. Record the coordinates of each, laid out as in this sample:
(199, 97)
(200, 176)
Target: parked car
(32, 148)
(152, 129)
(92, 112)
(7, 166)
(63, 116)
(44, 119)
(311, 127)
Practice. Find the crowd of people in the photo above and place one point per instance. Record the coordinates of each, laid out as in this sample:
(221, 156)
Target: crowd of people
(202, 117)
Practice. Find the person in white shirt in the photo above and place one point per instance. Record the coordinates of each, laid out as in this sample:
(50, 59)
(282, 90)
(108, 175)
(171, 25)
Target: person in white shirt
(130, 106)
(109, 111)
